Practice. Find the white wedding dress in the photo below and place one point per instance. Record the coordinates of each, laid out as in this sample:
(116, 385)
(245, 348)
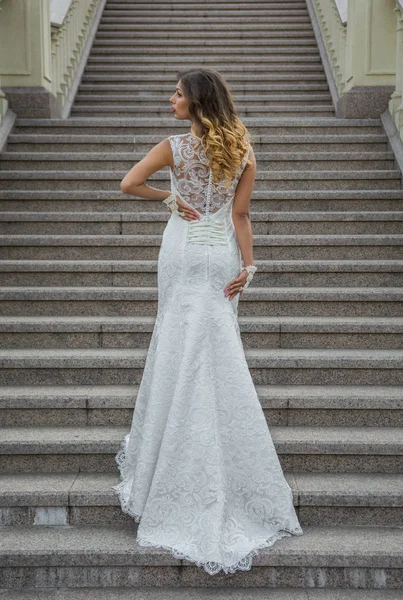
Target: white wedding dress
(199, 471)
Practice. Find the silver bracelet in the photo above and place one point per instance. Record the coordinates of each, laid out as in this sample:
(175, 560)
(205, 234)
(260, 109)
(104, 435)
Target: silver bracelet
(251, 269)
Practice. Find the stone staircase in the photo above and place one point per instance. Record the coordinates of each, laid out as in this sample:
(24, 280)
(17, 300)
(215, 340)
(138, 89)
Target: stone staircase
(322, 323)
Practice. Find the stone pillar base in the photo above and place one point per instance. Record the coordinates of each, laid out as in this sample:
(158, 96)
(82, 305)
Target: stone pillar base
(364, 102)
(33, 102)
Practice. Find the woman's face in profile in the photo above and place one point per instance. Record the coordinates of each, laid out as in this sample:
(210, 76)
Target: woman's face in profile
(179, 103)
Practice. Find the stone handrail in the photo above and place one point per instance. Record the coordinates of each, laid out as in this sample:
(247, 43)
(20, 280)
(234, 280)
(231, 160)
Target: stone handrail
(334, 35)
(70, 25)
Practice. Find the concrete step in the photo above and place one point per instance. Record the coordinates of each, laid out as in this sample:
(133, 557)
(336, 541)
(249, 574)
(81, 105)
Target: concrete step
(106, 366)
(260, 129)
(300, 449)
(255, 301)
(147, 247)
(24, 200)
(153, 223)
(257, 332)
(143, 143)
(383, 179)
(192, 593)
(79, 557)
(139, 273)
(112, 405)
(266, 161)
(82, 499)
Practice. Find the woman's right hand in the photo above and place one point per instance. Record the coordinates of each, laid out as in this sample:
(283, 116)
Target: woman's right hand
(191, 214)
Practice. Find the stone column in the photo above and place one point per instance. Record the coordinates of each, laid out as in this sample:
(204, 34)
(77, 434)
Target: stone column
(25, 59)
(370, 67)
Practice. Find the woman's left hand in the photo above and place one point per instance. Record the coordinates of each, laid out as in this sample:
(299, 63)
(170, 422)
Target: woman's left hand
(232, 288)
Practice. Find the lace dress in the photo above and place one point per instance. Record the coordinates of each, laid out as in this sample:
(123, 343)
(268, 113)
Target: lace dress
(198, 469)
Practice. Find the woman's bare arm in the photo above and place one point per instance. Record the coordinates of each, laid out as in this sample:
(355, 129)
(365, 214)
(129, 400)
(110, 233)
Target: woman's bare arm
(157, 158)
(240, 210)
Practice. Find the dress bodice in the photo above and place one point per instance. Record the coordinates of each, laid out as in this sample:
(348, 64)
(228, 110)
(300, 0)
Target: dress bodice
(191, 176)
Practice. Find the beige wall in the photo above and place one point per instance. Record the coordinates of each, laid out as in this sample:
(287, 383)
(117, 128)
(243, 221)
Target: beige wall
(25, 43)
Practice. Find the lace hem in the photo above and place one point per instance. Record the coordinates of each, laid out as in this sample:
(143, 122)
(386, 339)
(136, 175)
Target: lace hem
(212, 568)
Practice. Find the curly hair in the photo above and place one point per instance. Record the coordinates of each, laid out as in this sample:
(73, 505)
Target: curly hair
(224, 137)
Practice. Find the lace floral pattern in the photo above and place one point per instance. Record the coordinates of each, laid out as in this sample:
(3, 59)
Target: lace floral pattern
(199, 470)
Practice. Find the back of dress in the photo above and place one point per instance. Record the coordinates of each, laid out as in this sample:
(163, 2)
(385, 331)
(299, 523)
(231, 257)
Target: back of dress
(191, 176)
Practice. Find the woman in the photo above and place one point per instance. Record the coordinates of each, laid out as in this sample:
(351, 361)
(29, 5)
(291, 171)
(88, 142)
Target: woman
(199, 470)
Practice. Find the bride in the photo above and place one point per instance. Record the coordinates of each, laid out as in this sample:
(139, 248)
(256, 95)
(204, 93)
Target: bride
(199, 471)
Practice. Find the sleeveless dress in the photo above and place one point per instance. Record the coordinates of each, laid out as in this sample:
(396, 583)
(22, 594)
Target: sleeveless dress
(199, 471)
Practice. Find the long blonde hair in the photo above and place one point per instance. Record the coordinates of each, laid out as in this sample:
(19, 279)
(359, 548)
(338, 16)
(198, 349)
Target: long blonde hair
(224, 137)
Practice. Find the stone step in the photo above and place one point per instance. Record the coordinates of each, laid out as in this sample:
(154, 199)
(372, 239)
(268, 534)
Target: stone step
(101, 84)
(139, 273)
(273, 82)
(79, 557)
(258, 9)
(152, 99)
(121, 110)
(220, 17)
(383, 179)
(182, 8)
(80, 499)
(257, 332)
(186, 593)
(146, 247)
(203, 37)
(158, 101)
(143, 143)
(266, 161)
(112, 405)
(224, 19)
(197, 50)
(106, 366)
(264, 45)
(225, 63)
(260, 129)
(255, 301)
(261, 201)
(322, 110)
(123, 72)
(231, 34)
(116, 4)
(153, 223)
(300, 449)
(105, 63)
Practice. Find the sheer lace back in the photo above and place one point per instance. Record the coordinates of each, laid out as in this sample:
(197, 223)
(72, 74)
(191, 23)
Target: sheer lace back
(191, 177)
